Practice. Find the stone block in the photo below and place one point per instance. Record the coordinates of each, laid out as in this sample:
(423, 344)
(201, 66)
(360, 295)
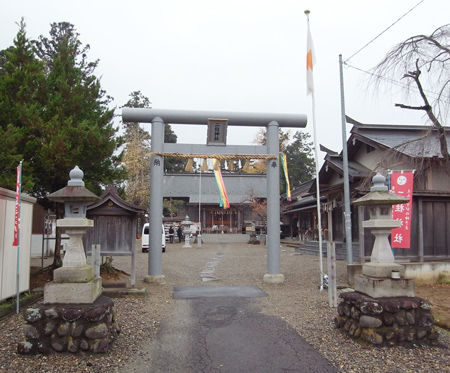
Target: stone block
(73, 274)
(87, 332)
(273, 278)
(160, 280)
(384, 287)
(73, 292)
(382, 269)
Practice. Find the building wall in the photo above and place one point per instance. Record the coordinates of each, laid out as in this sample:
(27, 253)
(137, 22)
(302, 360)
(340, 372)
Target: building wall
(239, 187)
(8, 253)
(371, 159)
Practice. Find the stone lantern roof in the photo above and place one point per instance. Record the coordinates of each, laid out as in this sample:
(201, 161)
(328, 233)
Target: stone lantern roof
(75, 190)
(379, 194)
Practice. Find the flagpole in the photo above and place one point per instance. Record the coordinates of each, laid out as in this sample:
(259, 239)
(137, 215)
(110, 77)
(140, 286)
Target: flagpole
(316, 159)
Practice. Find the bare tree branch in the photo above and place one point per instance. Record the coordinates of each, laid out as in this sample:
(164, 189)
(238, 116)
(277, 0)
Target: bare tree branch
(423, 54)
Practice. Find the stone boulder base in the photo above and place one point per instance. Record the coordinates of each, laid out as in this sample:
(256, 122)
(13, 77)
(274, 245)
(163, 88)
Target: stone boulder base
(69, 327)
(387, 320)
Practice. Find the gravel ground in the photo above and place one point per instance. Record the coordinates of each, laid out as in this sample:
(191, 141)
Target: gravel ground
(298, 301)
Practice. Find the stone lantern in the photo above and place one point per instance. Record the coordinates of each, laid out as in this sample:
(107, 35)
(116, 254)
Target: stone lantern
(74, 281)
(380, 201)
(74, 316)
(383, 309)
(380, 277)
(186, 223)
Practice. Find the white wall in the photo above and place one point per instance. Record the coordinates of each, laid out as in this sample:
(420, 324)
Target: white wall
(8, 253)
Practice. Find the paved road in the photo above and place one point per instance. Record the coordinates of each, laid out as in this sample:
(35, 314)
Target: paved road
(226, 334)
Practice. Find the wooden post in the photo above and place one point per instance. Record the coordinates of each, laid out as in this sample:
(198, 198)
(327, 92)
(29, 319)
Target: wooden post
(95, 260)
(420, 222)
(331, 259)
(361, 234)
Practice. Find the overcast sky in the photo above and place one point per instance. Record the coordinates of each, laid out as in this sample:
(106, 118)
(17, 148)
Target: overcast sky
(238, 55)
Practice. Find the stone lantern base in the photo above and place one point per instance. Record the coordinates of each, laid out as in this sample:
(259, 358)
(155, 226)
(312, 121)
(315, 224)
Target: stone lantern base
(73, 285)
(387, 320)
(69, 327)
(384, 286)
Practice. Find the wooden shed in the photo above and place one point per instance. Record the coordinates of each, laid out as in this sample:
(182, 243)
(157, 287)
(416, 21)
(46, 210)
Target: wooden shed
(115, 224)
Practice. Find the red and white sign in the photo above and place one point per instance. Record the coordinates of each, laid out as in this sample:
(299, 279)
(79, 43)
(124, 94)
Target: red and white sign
(402, 184)
(17, 209)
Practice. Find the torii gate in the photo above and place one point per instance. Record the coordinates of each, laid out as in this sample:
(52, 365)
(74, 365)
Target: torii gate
(272, 121)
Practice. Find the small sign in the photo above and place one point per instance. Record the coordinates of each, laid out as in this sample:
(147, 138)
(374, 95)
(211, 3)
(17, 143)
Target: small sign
(217, 131)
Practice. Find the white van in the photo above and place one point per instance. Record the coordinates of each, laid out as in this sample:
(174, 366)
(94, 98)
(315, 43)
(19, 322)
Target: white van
(145, 235)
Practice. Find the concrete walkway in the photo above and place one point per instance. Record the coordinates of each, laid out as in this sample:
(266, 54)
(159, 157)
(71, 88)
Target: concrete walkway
(220, 328)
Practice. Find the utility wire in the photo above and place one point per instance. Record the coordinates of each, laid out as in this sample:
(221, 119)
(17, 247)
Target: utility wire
(395, 82)
(382, 32)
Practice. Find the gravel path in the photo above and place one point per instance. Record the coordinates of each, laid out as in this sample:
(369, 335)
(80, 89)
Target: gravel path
(297, 301)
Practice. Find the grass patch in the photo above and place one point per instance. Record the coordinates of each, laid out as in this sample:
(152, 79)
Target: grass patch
(11, 302)
(443, 278)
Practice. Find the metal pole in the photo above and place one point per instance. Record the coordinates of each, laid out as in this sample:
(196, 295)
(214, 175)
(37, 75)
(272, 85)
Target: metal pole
(319, 217)
(273, 205)
(347, 212)
(156, 197)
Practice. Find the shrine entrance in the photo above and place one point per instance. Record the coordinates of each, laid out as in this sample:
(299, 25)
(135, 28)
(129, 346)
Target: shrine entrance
(215, 148)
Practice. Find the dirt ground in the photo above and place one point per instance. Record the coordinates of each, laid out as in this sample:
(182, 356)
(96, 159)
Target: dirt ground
(438, 295)
(39, 278)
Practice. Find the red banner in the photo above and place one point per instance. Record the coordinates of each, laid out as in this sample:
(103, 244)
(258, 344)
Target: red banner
(402, 184)
(17, 210)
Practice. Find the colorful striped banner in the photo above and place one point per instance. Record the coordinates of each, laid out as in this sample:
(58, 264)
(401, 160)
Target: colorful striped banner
(221, 185)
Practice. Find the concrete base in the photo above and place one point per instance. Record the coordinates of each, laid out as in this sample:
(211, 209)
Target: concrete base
(384, 287)
(420, 272)
(73, 274)
(273, 278)
(382, 269)
(160, 280)
(73, 292)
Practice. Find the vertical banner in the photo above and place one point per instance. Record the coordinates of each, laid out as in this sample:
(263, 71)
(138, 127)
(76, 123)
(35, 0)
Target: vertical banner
(402, 184)
(17, 207)
(283, 160)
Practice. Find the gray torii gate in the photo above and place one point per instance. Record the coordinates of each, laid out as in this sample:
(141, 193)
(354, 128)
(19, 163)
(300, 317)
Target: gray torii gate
(272, 121)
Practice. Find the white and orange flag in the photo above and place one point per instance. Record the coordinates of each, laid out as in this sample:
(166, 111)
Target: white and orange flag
(310, 62)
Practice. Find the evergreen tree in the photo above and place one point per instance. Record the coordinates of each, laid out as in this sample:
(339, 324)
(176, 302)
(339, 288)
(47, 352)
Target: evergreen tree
(300, 162)
(77, 122)
(299, 159)
(22, 98)
(54, 115)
